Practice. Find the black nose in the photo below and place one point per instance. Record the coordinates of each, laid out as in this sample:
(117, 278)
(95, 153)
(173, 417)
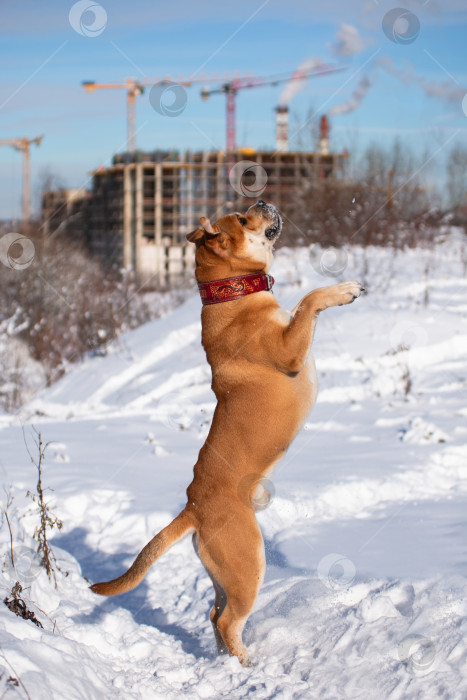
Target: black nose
(261, 203)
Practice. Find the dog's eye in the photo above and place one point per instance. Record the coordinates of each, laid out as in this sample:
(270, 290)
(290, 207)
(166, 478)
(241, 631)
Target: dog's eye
(242, 220)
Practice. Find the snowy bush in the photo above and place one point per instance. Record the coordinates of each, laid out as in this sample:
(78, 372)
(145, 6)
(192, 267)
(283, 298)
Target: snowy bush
(60, 308)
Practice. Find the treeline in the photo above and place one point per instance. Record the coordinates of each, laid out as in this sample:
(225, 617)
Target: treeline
(387, 199)
(58, 309)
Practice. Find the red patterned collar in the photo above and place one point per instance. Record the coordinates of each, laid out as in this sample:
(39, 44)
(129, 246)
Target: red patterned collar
(234, 287)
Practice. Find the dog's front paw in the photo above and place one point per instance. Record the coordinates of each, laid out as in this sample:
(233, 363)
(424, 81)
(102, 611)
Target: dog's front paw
(347, 292)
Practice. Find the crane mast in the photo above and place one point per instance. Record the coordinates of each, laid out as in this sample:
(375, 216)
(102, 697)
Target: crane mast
(23, 145)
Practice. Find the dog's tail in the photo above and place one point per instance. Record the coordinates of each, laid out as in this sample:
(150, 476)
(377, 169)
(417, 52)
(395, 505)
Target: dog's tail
(152, 551)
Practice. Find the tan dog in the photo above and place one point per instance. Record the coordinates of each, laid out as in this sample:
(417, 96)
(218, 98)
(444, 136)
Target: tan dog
(264, 378)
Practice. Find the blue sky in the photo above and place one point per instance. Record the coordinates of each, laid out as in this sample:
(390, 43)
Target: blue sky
(416, 88)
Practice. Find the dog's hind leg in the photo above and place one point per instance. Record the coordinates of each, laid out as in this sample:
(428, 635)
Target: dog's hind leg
(219, 601)
(234, 557)
(216, 611)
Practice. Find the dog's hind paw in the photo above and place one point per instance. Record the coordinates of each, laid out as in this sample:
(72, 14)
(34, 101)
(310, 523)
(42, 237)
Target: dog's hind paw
(247, 662)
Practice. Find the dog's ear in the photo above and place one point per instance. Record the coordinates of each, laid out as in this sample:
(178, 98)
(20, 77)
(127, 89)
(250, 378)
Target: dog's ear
(205, 228)
(206, 224)
(195, 235)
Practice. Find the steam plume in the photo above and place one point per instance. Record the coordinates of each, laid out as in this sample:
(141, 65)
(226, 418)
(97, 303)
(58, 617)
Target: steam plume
(356, 99)
(348, 41)
(294, 86)
(446, 90)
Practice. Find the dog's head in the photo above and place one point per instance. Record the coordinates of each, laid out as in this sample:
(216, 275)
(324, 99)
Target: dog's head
(236, 243)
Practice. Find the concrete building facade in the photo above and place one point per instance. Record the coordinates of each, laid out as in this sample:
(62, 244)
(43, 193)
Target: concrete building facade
(141, 207)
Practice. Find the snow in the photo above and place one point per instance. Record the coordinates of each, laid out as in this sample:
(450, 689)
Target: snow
(365, 590)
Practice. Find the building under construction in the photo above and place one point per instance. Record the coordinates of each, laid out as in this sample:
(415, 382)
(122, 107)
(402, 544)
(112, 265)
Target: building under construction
(142, 206)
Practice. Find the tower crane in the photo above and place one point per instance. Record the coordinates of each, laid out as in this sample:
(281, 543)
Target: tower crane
(134, 88)
(232, 87)
(23, 145)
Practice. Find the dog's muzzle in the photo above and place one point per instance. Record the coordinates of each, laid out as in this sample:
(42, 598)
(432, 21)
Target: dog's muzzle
(272, 216)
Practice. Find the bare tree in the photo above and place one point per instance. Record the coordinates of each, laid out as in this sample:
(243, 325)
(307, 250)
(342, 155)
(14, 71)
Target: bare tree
(62, 306)
(385, 203)
(456, 169)
(304, 133)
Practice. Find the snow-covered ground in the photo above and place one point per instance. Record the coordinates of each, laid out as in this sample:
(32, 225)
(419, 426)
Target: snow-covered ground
(365, 591)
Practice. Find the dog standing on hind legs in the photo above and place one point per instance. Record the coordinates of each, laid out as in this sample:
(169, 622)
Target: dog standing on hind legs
(264, 379)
